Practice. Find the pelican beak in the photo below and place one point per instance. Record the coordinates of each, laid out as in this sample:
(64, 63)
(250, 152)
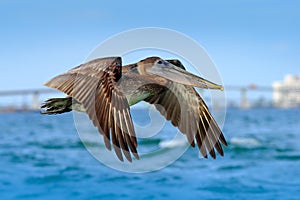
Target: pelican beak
(179, 75)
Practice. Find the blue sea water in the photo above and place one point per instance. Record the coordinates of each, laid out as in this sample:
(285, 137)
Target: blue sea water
(42, 157)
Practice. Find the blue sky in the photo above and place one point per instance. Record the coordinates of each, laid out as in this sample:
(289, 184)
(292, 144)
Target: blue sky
(249, 41)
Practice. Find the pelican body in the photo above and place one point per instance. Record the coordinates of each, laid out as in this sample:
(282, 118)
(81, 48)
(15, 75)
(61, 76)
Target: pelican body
(105, 90)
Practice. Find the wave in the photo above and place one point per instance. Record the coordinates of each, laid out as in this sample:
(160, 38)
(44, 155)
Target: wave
(288, 157)
(246, 142)
(149, 141)
(173, 143)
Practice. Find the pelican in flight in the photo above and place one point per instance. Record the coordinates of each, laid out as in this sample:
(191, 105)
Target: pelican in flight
(105, 90)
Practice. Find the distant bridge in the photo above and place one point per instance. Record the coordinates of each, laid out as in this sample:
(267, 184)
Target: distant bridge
(35, 93)
(26, 92)
(244, 104)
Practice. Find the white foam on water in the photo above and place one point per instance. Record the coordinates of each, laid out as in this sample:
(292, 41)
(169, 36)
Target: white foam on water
(173, 143)
(245, 142)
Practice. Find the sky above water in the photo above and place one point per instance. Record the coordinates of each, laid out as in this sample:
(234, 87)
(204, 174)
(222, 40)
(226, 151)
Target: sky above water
(251, 42)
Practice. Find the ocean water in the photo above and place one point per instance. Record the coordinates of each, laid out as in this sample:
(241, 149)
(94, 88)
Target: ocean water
(42, 157)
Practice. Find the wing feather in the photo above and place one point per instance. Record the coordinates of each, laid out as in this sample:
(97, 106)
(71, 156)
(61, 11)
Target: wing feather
(186, 109)
(93, 84)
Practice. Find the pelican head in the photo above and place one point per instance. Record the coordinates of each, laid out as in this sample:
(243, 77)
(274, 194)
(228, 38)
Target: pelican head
(156, 66)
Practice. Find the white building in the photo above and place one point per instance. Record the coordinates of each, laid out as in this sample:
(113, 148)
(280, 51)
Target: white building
(286, 93)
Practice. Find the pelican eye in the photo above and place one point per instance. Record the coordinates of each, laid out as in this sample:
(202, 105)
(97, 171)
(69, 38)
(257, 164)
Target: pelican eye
(159, 62)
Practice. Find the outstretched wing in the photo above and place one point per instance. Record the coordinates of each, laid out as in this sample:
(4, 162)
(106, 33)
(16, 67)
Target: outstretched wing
(186, 109)
(93, 84)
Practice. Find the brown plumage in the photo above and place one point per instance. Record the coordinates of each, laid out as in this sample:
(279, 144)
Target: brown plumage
(105, 89)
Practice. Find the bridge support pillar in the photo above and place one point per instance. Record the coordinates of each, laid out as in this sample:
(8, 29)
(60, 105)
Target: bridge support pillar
(244, 99)
(35, 101)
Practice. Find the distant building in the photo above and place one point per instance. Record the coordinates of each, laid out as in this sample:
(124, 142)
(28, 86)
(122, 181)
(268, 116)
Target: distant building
(286, 93)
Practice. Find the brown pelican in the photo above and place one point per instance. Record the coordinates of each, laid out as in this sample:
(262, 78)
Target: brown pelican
(105, 90)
